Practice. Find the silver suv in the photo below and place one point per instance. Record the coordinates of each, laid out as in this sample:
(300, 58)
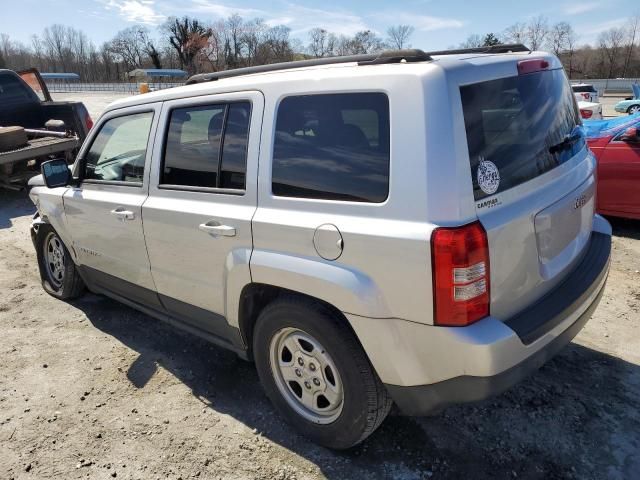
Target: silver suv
(411, 228)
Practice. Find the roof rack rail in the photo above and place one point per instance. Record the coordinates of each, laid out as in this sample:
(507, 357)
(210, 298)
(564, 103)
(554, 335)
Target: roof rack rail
(502, 48)
(385, 57)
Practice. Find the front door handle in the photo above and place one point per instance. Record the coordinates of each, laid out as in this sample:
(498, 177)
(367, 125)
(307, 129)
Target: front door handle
(217, 229)
(123, 214)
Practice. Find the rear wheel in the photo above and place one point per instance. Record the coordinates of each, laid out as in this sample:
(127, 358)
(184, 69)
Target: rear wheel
(633, 109)
(57, 270)
(316, 374)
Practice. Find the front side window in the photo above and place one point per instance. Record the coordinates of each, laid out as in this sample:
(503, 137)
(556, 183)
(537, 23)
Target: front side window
(206, 146)
(332, 147)
(119, 149)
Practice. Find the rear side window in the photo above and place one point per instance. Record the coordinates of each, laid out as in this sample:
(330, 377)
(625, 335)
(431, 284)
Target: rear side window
(206, 146)
(519, 128)
(332, 147)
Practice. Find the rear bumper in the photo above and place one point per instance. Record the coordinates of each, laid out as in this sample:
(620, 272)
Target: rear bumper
(426, 368)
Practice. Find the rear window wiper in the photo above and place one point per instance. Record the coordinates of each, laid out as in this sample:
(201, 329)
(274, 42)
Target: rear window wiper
(565, 144)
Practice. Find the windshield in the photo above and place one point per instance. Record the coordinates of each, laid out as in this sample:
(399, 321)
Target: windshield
(519, 128)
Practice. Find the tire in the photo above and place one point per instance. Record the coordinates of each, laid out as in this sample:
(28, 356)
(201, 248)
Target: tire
(339, 420)
(633, 109)
(65, 282)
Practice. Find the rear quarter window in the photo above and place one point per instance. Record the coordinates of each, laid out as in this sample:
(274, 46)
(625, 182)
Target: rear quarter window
(332, 147)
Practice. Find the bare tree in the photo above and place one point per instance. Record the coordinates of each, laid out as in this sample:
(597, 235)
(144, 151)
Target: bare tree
(398, 36)
(558, 37)
(474, 40)
(253, 36)
(233, 35)
(632, 30)
(611, 45)
(571, 41)
(516, 33)
(188, 36)
(128, 46)
(55, 40)
(537, 31)
(5, 44)
(364, 41)
(322, 43)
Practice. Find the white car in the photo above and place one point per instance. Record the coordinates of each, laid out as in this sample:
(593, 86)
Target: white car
(585, 92)
(590, 111)
(404, 228)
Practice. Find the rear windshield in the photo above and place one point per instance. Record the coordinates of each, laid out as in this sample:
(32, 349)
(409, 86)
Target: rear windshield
(13, 91)
(519, 128)
(584, 89)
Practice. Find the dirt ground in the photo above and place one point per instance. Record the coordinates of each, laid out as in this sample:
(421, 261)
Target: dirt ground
(93, 389)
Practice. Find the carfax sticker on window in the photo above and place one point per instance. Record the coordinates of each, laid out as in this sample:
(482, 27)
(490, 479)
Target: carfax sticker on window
(488, 176)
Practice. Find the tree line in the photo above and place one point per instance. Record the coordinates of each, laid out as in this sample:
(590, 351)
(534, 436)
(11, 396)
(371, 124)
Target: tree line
(197, 46)
(615, 53)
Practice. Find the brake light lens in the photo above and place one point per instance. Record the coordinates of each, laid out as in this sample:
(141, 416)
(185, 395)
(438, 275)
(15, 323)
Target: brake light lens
(88, 121)
(586, 96)
(460, 262)
(586, 113)
(532, 66)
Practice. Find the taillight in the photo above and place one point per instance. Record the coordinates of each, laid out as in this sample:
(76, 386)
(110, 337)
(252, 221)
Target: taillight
(88, 121)
(586, 113)
(586, 96)
(532, 66)
(460, 263)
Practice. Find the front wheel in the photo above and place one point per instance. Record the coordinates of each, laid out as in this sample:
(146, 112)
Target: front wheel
(57, 270)
(633, 109)
(316, 374)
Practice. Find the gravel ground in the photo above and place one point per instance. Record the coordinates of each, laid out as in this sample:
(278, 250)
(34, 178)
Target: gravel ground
(95, 102)
(93, 389)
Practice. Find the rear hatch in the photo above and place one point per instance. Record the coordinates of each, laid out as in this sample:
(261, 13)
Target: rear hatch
(533, 180)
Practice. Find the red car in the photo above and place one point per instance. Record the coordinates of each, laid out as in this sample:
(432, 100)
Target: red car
(616, 145)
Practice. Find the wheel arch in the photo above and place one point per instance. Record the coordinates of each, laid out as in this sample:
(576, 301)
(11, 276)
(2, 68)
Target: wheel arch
(255, 297)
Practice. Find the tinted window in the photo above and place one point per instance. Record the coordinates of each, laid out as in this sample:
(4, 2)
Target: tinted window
(206, 146)
(518, 124)
(118, 151)
(13, 91)
(333, 147)
(234, 150)
(583, 89)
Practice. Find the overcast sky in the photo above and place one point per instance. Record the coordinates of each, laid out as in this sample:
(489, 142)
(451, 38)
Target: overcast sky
(438, 23)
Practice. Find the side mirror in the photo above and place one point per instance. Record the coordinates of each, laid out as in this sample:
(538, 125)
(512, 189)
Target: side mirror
(630, 135)
(56, 173)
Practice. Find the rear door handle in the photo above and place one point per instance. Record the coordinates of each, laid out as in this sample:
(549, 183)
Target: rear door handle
(223, 230)
(123, 214)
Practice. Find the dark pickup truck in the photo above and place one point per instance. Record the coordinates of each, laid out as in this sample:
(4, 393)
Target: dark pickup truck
(48, 129)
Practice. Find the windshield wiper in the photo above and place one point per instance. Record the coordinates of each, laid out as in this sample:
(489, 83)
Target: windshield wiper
(565, 144)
